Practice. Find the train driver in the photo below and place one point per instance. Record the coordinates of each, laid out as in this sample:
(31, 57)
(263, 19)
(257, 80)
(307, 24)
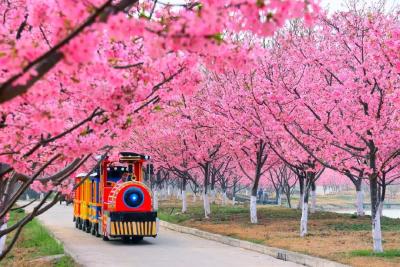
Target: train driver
(125, 177)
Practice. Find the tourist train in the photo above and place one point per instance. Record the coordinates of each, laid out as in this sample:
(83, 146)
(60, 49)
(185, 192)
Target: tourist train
(113, 202)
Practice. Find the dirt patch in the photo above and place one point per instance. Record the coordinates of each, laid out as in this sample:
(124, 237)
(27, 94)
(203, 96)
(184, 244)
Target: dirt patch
(331, 236)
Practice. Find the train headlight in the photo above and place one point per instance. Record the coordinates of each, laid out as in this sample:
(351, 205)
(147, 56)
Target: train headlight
(133, 197)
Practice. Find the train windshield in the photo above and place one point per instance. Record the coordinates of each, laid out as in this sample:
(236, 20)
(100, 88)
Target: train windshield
(114, 173)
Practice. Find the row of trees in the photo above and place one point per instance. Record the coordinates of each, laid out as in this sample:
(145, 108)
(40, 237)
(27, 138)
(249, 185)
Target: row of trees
(310, 99)
(77, 77)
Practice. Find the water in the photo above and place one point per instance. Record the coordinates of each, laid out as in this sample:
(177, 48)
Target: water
(391, 213)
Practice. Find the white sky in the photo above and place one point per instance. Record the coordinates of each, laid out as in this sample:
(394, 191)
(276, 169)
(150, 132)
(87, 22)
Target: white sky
(333, 4)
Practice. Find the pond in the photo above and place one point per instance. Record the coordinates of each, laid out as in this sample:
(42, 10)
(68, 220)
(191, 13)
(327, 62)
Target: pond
(391, 213)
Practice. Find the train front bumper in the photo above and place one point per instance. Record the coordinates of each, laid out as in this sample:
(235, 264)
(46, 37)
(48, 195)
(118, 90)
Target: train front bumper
(133, 224)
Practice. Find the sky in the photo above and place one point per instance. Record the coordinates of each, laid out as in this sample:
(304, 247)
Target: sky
(333, 4)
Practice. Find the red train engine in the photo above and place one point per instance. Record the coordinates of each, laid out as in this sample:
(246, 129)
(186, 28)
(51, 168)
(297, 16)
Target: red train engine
(113, 201)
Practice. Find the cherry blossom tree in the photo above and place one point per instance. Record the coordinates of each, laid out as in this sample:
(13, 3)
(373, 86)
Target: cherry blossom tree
(75, 74)
(284, 181)
(343, 86)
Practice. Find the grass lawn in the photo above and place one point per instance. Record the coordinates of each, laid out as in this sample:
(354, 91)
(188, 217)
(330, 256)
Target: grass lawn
(34, 242)
(339, 237)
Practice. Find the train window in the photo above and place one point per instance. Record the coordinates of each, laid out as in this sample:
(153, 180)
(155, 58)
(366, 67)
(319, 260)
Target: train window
(114, 174)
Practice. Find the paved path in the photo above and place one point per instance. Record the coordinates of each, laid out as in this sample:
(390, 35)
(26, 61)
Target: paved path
(168, 249)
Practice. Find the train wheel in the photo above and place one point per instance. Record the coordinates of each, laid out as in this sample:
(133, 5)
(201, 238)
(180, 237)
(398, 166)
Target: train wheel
(93, 229)
(96, 227)
(88, 227)
(76, 224)
(105, 238)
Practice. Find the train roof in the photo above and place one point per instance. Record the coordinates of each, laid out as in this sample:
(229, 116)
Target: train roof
(132, 155)
(83, 174)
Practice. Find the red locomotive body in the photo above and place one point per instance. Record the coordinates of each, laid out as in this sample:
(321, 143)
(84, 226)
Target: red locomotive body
(113, 202)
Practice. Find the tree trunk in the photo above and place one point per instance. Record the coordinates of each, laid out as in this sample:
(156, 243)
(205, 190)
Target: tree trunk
(169, 191)
(184, 201)
(213, 195)
(233, 201)
(194, 198)
(183, 195)
(206, 203)
(375, 214)
(360, 200)
(304, 216)
(253, 198)
(376, 230)
(313, 198)
(155, 200)
(253, 209)
(301, 200)
(279, 197)
(3, 238)
(224, 198)
(288, 198)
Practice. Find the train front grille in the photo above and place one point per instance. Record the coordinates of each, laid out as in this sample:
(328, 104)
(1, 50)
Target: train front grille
(120, 228)
(133, 223)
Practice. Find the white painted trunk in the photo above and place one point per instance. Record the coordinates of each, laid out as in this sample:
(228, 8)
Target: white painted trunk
(224, 199)
(213, 194)
(233, 201)
(279, 200)
(155, 200)
(206, 202)
(184, 202)
(165, 193)
(41, 196)
(3, 238)
(247, 192)
(304, 220)
(27, 197)
(169, 191)
(162, 194)
(253, 209)
(313, 201)
(301, 200)
(376, 230)
(360, 203)
(194, 197)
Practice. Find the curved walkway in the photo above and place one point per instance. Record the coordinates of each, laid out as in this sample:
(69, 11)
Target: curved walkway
(168, 249)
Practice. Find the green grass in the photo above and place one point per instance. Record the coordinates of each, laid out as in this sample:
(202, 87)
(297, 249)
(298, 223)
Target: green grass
(38, 237)
(65, 261)
(34, 242)
(387, 224)
(390, 253)
(222, 214)
(34, 235)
